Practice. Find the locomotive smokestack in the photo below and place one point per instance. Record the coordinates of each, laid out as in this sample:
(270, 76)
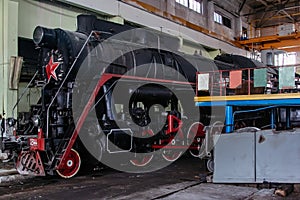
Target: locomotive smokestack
(86, 23)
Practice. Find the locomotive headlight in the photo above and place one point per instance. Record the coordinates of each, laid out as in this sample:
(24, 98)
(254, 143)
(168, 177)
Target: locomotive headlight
(11, 122)
(38, 35)
(44, 36)
(36, 120)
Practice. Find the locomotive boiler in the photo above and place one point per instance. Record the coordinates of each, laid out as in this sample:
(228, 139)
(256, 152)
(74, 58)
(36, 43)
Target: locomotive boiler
(114, 95)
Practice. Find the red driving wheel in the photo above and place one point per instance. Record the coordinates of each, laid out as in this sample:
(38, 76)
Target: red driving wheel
(195, 137)
(71, 166)
(142, 159)
(173, 154)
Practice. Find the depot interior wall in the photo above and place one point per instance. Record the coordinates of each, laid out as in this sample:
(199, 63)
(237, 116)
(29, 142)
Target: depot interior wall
(132, 12)
(54, 16)
(203, 19)
(229, 33)
(8, 48)
(190, 15)
(30, 97)
(34, 13)
(28, 15)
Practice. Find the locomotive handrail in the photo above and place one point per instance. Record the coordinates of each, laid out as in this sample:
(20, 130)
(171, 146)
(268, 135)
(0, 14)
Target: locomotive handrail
(106, 92)
(61, 85)
(25, 89)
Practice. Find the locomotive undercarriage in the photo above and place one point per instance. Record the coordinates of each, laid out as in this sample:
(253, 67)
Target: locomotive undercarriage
(159, 121)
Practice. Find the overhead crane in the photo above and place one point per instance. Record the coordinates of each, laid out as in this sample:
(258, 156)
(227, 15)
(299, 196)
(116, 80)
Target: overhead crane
(290, 42)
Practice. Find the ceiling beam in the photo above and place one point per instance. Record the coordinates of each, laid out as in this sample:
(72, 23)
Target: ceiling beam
(288, 15)
(263, 2)
(284, 3)
(294, 15)
(264, 20)
(242, 6)
(271, 10)
(261, 20)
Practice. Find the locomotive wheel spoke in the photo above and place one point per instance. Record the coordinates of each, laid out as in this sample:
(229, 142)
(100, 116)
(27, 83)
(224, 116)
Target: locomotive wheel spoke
(217, 128)
(195, 137)
(141, 160)
(71, 166)
(173, 154)
(210, 165)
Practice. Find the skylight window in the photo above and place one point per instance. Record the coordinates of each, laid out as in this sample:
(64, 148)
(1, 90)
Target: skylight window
(183, 2)
(218, 18)
(195, 5)
(222, 20)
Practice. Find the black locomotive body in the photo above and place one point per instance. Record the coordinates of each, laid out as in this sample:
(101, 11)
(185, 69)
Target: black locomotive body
(131, 87)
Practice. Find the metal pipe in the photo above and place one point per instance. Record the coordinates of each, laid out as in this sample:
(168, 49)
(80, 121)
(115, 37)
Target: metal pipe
(254, 110)
(249, 80)
(288, 117)
(272, 118)
(228, 119)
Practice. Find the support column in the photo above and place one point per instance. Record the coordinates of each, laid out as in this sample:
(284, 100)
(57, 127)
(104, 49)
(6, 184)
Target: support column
(238, 27)
(170, 7)
(210, 15)
(8, 48)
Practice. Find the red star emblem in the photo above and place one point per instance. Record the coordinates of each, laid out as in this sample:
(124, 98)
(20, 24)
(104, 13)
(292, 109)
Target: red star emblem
(50, 69)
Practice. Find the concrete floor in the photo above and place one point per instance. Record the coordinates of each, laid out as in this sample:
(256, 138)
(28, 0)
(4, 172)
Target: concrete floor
(177, 181)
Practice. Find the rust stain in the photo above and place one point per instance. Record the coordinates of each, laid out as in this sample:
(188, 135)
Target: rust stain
(261, 139)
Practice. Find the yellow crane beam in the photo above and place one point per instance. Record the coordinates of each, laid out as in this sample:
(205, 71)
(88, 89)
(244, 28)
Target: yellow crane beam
(289, 42)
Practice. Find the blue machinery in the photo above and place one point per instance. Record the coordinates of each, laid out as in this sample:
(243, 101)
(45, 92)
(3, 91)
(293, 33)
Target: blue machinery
(256, 156)
(263, 101)
(264, 154)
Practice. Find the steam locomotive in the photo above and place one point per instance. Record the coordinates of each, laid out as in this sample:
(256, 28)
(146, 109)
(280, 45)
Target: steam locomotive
(106, 93)
(131, 86)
